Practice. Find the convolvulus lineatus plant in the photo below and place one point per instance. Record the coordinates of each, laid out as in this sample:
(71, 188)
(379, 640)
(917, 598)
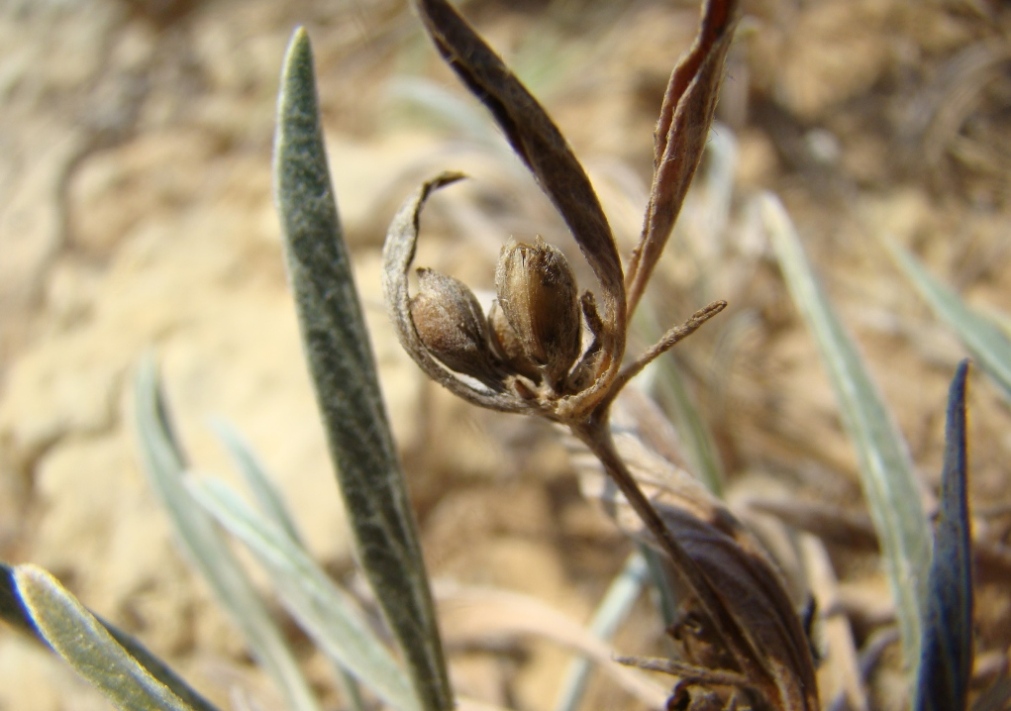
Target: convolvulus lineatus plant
(546, 348)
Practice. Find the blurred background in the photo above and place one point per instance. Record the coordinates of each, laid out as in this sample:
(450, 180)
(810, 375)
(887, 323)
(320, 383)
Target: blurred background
(136, 217)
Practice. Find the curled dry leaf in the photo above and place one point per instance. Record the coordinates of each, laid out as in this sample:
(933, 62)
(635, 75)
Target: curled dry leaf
(521, 353)
(398, 253)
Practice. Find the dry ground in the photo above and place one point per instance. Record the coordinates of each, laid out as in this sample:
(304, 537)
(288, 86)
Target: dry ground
(136, 216)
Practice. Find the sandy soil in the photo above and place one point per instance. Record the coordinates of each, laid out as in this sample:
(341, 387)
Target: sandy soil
(136, 217)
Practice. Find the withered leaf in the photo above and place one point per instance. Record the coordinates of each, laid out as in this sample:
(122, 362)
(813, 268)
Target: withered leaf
(685, 117)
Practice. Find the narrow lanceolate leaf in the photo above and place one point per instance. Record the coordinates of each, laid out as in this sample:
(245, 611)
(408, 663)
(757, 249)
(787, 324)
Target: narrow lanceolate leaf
(987, 343)
(340, 361)
(129, 669)
(680, 138)
(326, 613)
(272, 504)
(84, 642)
(259, 482)
(539, 143)
(946, 659)
(207, 549)
(274, 508)
(886, 471)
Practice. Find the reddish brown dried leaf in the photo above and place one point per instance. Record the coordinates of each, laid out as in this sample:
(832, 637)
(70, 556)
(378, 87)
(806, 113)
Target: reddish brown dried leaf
(685, 117)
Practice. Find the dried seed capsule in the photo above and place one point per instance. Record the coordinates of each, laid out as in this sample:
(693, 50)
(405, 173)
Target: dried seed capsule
(538, 296)
(507, 345)
(451, 324)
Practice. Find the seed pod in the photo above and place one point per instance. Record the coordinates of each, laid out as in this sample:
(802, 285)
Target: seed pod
(507, 345)
(538, 296)
(449, 321)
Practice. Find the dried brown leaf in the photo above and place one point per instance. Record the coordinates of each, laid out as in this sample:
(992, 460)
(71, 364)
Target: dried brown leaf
(685, 117)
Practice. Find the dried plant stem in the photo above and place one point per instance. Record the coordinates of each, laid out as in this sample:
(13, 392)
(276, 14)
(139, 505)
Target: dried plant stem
(596, 435)
(668, 341)
(686, 672)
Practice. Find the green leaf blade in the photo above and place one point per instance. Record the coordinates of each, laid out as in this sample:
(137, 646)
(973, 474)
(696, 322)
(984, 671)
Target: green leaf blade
(325, 613)
(259, 482)
(887, 475)
(985, 341)
(83, 641)
(16, 612)
(946, 657)
(339, 356)
(208, 551)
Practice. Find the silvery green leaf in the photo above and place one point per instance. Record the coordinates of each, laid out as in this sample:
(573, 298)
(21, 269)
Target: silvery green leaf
(15, 612)
(326, 613)
(946, 656)
(207, 549)
(987, 343)
(340, 362)
(273, 507)
(84, 642)
(886, 471)
(259, 482)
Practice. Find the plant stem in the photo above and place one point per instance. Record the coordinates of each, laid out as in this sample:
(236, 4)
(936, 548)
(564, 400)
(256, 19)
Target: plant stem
(595, 433)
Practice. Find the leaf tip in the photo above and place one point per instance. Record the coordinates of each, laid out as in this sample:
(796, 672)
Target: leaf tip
(299, 46)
